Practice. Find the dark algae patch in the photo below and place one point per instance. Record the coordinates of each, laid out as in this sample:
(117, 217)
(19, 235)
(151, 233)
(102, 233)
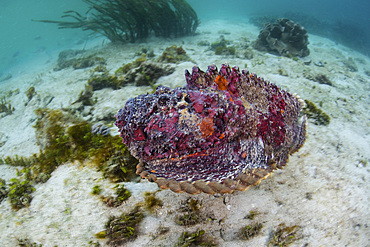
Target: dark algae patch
(251, 230)
(284, 235)
(123, 228)
(121, 195)
(63, 138)
(151, 202)
(196, 238)
(316, 114)
(3, 190)
(189, 213)
(20, 190)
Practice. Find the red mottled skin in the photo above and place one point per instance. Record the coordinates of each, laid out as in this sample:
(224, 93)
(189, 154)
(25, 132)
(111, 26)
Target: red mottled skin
(220, 125)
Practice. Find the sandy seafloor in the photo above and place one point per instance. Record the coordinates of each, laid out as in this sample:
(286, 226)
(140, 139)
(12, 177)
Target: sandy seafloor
(324, 189)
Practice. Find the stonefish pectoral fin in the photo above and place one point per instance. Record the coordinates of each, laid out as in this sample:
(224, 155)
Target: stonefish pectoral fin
(223, 131)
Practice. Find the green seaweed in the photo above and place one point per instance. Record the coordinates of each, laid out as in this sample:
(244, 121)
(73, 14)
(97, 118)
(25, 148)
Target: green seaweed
(250, 231)
(96, 190)
(100, 235)
(203, 43)
(3, 190)
(89, 61)
(151, 202)
(161, 230)
(291, 56)
(66, 58)
(105, 80)
(230, 50)
(189, 213)
(17, 161)
(63, 138)
(197, 238)
(6, 107)
(257, 61)
(284, 236)
(117, 80)
(222, 42)
(323, 79)
(143, 72)
(363, 162)
(282, 72)
(30, 93)
(316, 114)
(120, 229)
(221, 47)
(20, 190)
(27, 243)
(174, 54)
(85, 96)
(128, 66)
(94, 243)
(252, 214)
(132, 20)
(122, 194)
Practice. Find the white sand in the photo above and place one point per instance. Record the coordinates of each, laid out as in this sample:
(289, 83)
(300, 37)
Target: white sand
(324, 188)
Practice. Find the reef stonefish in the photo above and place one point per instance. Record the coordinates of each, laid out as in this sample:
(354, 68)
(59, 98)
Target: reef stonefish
(223, 131)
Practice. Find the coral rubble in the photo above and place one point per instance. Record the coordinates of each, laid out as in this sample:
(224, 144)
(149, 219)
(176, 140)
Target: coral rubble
(142, 72)
(174, 54)
(221, 47)
(100, 129)
(284, 37)
(222, 132)
(73, 58)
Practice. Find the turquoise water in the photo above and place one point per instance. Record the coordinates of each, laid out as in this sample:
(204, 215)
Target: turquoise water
(344, 21)
(23, 40)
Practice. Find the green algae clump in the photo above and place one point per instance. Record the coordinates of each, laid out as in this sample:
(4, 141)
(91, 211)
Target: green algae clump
(64, 138)
(3, 190)
(252, 214)
(151, 202)
(5, 107)
(122, 194)
(105, 80)
(96, 190)
(250, 231)
(189, 213)
(174, 54)
(20, 190)
(131, 21)
(221, 47)
(316, 114)
(197, 238)
(120, 229)
(284, 236)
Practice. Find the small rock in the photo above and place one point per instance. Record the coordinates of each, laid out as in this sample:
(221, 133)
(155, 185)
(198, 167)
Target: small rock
(100, 129)
(319, 64)
(307, 62)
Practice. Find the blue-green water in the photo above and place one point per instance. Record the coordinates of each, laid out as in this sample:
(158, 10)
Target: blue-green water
(23, 40)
